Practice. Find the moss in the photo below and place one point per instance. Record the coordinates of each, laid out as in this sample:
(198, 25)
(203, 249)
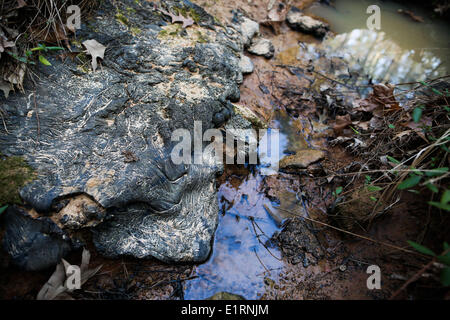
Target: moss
(135, 31)
(92, 28)
(163, 33)
(201, 38)
(190, 12)
(131, 10)
(85, 62)
(172, 30)
(176, 29)
(14, 174)
(195, 16)
(121, 18)
(76, 43)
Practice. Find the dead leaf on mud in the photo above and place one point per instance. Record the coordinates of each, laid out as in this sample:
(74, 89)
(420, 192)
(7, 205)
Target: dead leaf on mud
(381, 98)
(362, 124)
(341, 123)
(419, 127)
(402, 134)
(56, 289)
(95, 50)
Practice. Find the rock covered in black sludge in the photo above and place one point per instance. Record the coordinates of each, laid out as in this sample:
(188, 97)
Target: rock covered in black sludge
(33, 243)
(107, 136)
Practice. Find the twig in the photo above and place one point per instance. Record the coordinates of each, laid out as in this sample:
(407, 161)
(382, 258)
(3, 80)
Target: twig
(416, 276)
(254, 250)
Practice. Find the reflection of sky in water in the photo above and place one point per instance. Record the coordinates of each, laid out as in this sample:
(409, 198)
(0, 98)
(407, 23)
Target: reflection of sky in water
(287, 140)
(369, 52)
(239, 262)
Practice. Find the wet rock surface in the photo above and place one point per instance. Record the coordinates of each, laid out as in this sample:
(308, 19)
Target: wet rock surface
(303, 23)
(107, 135)
(33, 244)
(249, 29)
(246, 64)
(262, 47)
(302, 159)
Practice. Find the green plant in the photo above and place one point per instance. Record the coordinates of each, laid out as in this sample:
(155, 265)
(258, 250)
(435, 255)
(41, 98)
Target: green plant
(444, 258)
(428, 171)
(29, 54)
(338, 191)
(2, 209)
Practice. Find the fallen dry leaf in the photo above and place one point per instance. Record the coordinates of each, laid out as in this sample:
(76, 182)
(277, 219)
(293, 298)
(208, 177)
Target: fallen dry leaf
(14, 73)
(4, 43)
(56, 289)
(95, 50)
(21, 4)
(362, 124)
(402, 134)
(381, 98)
(6, 88)
(418, 127)
(341, 123)
(180, 18)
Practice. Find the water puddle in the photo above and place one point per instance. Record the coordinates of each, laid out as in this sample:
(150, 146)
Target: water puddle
(403, 50)
(240, 258)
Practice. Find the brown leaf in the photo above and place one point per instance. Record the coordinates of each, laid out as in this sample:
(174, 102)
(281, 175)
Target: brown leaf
(418, 127)
(376, 122)
(363, 125)
(21, 4)
(402, 134)
(4, 43)
(180, 18)
(341, 123)
(381, 99)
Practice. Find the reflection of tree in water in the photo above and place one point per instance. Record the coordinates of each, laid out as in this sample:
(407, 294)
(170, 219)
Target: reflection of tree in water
(370, 52)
